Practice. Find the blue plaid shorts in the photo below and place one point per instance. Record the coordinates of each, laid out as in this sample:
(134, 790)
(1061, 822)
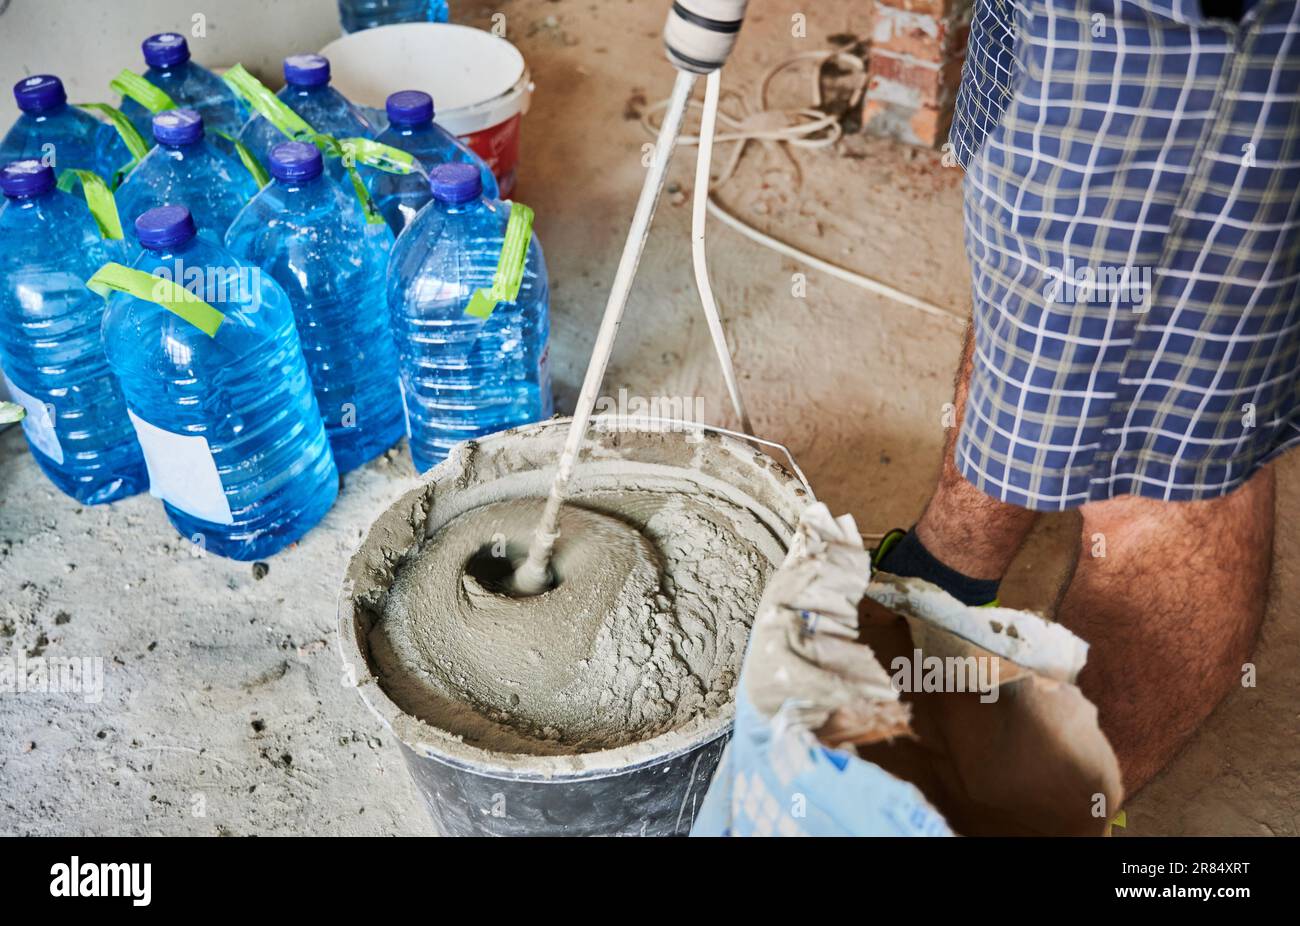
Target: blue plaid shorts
(1132, 211)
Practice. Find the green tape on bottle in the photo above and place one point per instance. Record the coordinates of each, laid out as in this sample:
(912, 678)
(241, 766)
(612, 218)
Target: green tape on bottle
(113, 277)
(134, 142)
(132, 86)
(351, 151)
(509, 275)
(266, 104)
(249, 160)
(11, 413)
(99, 199)
(368, 207)
(354, 151)
(373, 154)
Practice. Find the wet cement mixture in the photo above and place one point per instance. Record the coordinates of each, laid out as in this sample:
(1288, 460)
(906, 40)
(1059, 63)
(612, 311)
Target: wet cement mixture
(643, 630)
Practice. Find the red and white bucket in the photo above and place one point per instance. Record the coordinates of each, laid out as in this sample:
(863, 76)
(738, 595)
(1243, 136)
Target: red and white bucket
(480, 84)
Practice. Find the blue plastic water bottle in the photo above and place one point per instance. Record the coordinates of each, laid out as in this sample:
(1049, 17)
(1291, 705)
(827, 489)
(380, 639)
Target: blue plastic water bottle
(54, 363)
(463, 377)
(50, 130)
(190, 85)
(355, 15)
(313, 239)
(307, 92)
(411, 128)
(228, 423)
(185, 168)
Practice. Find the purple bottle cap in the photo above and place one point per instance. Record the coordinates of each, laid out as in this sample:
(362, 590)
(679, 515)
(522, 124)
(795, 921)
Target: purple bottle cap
(455, 183)
(165, 227)
(23, 179)
(166, 49)
(306, 71)
(296, 161)
(177, 127)
(39, 93)
(409, 107)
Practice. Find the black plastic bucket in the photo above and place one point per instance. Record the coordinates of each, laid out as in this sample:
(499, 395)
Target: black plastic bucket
(646, 789)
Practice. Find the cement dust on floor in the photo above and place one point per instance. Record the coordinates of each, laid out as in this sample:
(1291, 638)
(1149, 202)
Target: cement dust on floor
(225, 710)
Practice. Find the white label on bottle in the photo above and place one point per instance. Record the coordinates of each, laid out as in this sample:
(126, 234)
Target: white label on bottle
(39, 423)
(406, 412)
(182, 472)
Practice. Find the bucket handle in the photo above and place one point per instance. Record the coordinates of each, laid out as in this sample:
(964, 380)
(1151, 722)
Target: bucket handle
(680, 424)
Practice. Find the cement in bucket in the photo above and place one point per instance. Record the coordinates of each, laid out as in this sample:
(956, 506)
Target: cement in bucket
(652, 787)
(480, 84)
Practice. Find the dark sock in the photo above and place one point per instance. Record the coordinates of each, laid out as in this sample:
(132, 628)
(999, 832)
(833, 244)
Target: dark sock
(909, 557)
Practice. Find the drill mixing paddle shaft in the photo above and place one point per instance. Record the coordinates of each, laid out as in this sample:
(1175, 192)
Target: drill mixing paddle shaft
(698, 37)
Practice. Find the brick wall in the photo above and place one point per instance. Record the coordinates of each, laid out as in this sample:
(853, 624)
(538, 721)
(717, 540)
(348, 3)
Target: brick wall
(916, 55)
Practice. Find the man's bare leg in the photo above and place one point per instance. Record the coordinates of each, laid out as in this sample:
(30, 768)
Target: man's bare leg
(1170, 612)
(966, 529)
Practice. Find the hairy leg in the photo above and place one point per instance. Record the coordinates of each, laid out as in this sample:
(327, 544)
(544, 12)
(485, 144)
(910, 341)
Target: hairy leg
(966, 529)
(1170, 596)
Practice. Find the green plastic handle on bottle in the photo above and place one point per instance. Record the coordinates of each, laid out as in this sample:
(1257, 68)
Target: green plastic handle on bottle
(375, 154)
(134, 142)
(267, 104)
(113, 277)
(99, 199)
(509, 276)
(249, 160)
(351, 151)
(133, 86)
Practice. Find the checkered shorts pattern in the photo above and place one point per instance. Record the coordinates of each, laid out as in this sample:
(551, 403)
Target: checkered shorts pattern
(1132, 206)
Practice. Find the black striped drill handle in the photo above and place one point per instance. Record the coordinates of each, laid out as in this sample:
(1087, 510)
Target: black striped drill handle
(700, 34)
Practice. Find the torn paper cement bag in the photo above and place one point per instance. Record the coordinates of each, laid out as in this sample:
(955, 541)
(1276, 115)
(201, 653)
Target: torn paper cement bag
(977, 724)
(804, 667)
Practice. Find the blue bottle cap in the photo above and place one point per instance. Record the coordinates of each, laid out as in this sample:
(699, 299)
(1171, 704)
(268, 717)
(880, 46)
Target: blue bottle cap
(39, 93)
(22, 179)
(409, 107)
(177, 127)
(306, 71)
(296, 160)
(166, 49)
(165, 227)
(455, 183)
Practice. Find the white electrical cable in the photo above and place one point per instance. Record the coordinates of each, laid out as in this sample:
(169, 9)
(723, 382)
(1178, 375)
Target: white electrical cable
(848, 276)
(699, 257)
(801, 128)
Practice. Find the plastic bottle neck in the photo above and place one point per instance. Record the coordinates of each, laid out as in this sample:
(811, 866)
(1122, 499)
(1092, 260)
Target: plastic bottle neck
(31, 200)
(304, 191)
(49, 112)
(461, 208)
(180, 69)
(174, 252)
(188, 149)
(300, 90)
(408, 129)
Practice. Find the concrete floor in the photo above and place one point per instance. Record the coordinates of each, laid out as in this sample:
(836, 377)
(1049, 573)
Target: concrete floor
(225, 710)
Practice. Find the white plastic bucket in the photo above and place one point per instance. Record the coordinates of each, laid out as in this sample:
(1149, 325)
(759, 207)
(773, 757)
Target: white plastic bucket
(480, 84)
